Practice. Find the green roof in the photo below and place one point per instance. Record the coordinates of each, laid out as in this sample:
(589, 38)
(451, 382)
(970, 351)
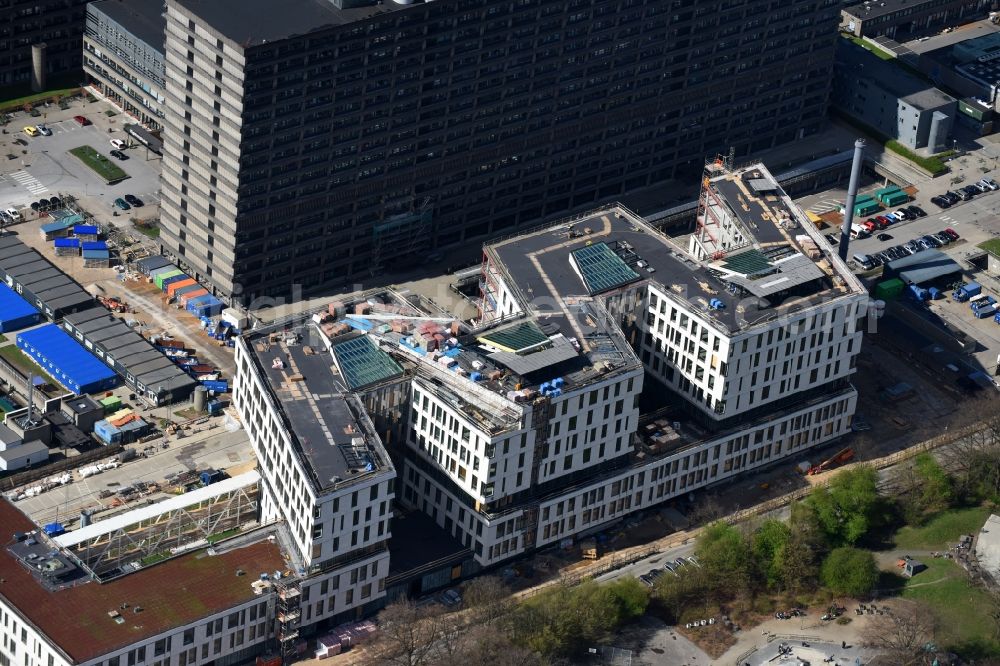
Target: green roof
(514, 338)
(363, 364)
(748, 263)
(602, 269)
(886, 190)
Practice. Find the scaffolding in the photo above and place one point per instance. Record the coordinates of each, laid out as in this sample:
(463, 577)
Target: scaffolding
(288, 614)
(147, 535)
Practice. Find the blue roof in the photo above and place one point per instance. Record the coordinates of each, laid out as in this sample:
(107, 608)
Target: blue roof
(58, 225)
(96, 254)
(12, 306)
(67, 242)
(94, 245)
(63, 358)
(86, 229)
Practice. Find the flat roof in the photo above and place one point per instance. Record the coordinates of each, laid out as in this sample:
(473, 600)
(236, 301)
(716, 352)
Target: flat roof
(326, 423)
(179, 591)
(870, 10)
(255, 22)
(362, 363)
(538, 265)
(150, 511)
(24, 449)
(143, 18)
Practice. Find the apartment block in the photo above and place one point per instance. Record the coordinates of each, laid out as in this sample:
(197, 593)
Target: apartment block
(56, 23)
(123, 56)
(319, 143)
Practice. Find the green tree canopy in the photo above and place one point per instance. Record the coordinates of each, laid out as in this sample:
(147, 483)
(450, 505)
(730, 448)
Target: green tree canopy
(849, 572)
(724, 553)
(767, 545)
(849, 507)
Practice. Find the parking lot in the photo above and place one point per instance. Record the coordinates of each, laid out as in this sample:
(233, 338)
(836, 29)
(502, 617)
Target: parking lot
(37, 167)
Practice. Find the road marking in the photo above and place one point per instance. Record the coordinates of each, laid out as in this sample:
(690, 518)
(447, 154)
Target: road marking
(29, 182)
(825, 206)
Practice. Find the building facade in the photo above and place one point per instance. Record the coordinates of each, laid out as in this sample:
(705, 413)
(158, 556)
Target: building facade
(889, 99)
(319, 145)
(902, 19)
(123, 56)
(56, 23)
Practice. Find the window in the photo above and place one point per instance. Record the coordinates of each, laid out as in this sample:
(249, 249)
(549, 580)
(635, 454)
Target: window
(188, 637)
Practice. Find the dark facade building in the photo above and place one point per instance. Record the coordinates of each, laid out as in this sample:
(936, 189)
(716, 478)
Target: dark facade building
(313, 144)
(905, 18)
(56, 23)
(123, 56)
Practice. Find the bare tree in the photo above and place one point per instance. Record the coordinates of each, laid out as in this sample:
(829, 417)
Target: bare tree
(488, 599)
(902, 635)
(408, 635)
(486, 646)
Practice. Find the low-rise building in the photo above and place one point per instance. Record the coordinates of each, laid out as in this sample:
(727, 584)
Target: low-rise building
(882, 95)
(123, 56)
(899, 19)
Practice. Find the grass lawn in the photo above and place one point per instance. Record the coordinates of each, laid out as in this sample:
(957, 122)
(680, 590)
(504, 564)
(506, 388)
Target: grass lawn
(884, 55)
(991, 245)
(148, 230)
(20, 360)
(102, 166)
(962, 611)
(942, 530)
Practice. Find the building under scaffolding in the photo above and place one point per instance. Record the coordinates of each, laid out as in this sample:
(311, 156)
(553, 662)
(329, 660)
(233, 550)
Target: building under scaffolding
(150, 534)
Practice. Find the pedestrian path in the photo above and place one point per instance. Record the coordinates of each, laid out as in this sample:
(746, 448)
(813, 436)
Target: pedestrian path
(29, 182)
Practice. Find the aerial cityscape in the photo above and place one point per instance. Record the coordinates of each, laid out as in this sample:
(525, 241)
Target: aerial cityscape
(507, 332)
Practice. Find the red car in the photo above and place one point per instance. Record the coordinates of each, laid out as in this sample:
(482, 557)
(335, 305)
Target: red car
(883, 221)
(82, 120)
(951, 233)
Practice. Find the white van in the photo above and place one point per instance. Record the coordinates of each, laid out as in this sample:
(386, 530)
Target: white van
(858, 231)
(118, 144)
(864, 261)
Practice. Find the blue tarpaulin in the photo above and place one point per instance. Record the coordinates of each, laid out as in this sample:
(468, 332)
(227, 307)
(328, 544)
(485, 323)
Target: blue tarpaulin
(62, 357)
(95, 245)
(67, 242)
(57, 226)
(86, 230)
(15, 312)
(96, 254)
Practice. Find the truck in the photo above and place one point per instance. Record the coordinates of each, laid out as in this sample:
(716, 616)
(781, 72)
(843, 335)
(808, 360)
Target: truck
(858, 231)
(967, 291)
(986, 311)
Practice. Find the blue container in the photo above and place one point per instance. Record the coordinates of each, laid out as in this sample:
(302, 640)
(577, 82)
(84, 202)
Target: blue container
(219, 386)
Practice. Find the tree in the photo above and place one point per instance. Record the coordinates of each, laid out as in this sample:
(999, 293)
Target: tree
(849, 572)
(725, 555)
(974, 462)
(767, 544)
(673, 594)
(488, 598)
(798, 559)
(407, 634)
(848, 508)
(485, 646)
(631, 598)
(901, 635)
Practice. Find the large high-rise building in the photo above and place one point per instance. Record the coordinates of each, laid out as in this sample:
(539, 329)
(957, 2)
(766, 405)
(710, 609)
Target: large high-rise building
(56, 23)
(317, 142)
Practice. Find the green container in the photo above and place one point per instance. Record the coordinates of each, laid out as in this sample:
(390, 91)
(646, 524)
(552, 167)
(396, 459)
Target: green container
(889, 290)
(158, 280)
(864, 198)
(866, 208)
(886, 190)
(111, 404)
(895, 198)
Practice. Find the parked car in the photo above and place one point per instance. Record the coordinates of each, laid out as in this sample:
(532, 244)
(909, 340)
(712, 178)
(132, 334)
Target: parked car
(118, 144)
(81, 120)
(831, 239)
(43, 129)
(119, 155)
(134, 200)
(450, 598)
(951, 233)
(13, 214)
(925, 244)
(884, 237)
(871, 225)
(916, 211)
(941, 202)
(904, 214)
(884, 220)
(121, 203)
(992, 183)
(952, 197)
(913, 246)
(31, 130)
(941, 238)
